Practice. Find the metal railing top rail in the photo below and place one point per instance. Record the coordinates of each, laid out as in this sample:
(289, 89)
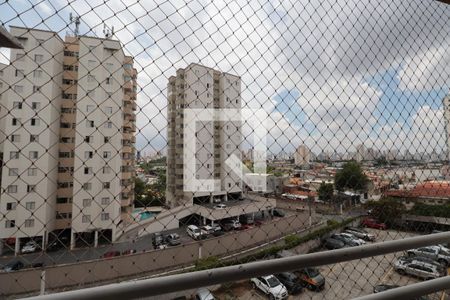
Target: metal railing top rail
(180, 282)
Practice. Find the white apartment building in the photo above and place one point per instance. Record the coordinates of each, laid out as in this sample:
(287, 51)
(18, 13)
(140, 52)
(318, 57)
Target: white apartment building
(200, 87)
(68, 124)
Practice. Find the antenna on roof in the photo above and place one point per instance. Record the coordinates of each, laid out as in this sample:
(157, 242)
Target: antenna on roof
(108, 32)
(76, 20)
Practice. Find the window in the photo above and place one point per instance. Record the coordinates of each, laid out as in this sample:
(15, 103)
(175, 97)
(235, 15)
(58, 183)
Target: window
(87, 170)
(108, 80)
(34, 138)
(107, 170)
(10, 223)
(88, 154)
(104, 216)
(12, 189)
(91, 78)
(34, 122)
(90, 108)
(106, 139)
(106, 154)
(13, 172)
(108, 110)
(18, 89)
(11, 206)
(105, 200)
(87, 186)
(20, 56)
(127, 66)
(17, 105)
(108, 125)
(15, 121)
(29, 223)
(38, 58)
(89, 124)
(89, 139)
(35, 105)
(32, 171)
(86, 219)
(30, 205)
(15, 138)
(33, 155)
(87, 202)
(36, 88)
(14, 155)
(31, 188)
(106, 185)
(20, 73)
(37, 73)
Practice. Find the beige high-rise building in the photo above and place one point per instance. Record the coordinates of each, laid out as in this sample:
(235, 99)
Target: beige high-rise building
(68, 126)
(302, 156)
(200, 87)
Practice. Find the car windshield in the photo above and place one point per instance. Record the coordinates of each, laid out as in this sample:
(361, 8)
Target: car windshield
(273, 281)
(312, 272)
(196, 230)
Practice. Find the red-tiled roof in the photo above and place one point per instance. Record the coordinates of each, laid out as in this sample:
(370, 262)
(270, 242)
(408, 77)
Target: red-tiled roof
(431, 189)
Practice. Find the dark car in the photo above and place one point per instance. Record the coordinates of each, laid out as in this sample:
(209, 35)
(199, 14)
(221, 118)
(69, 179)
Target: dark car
(13, 266)
(128, 252)
(384, 287)
(311, 279)
(157, 239)
(424, 259)
(218, 233)
(278, 213)
(331, 244)
(346, 240)
(291, 282)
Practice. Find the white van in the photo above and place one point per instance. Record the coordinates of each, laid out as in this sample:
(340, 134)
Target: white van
(194, 232)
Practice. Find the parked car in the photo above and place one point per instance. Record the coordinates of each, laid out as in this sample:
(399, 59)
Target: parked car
(352, 237)
(157, 239)
(30, 247)
(360, 233)
(194, 232)
(220, 206)
(270, 286)
(424, 259)
(384, 287)
(173, 239)
(15, 265)
(278, 213)
(247, 219)
(345, 239)
(418, 269)
(204, 294)
(111, 254)
(438, 253)
(372, 223)
(231, 224)
(311, 279)
(331, 244)
(128, 252)
(291, 282)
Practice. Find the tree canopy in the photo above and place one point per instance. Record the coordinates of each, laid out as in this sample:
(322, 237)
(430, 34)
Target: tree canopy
(351, 177)
(387, 210)
(325, 191)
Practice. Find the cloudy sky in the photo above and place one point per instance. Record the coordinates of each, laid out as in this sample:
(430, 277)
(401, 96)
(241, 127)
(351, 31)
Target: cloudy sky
(331, 74)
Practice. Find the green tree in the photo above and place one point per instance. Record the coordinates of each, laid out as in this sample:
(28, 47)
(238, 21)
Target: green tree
(387, 210)
(325, 191)
(351, 177)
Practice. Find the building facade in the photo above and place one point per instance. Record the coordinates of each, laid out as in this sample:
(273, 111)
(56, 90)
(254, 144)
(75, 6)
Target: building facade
(302, 156)
(200, 87)
(446, 105)
(68, 143)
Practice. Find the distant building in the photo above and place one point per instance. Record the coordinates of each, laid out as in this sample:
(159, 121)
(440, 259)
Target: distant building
(302, 156)
(446, 104)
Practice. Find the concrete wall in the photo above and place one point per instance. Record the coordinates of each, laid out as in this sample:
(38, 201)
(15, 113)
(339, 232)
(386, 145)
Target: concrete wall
(126, 267)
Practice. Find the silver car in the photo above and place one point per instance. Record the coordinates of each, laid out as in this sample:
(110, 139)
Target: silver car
(418, 269)
(437, 253)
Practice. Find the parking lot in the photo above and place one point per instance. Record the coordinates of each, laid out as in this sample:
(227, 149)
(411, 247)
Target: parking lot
(344, 280)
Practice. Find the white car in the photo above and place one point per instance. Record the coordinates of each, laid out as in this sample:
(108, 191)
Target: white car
(30, 247)
(204, 294)
(270, 286)
(220, 206)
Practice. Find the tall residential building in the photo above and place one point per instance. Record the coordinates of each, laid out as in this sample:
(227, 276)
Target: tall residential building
(302, 156)
(200, 87)
(446, 104)
(68, 145)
